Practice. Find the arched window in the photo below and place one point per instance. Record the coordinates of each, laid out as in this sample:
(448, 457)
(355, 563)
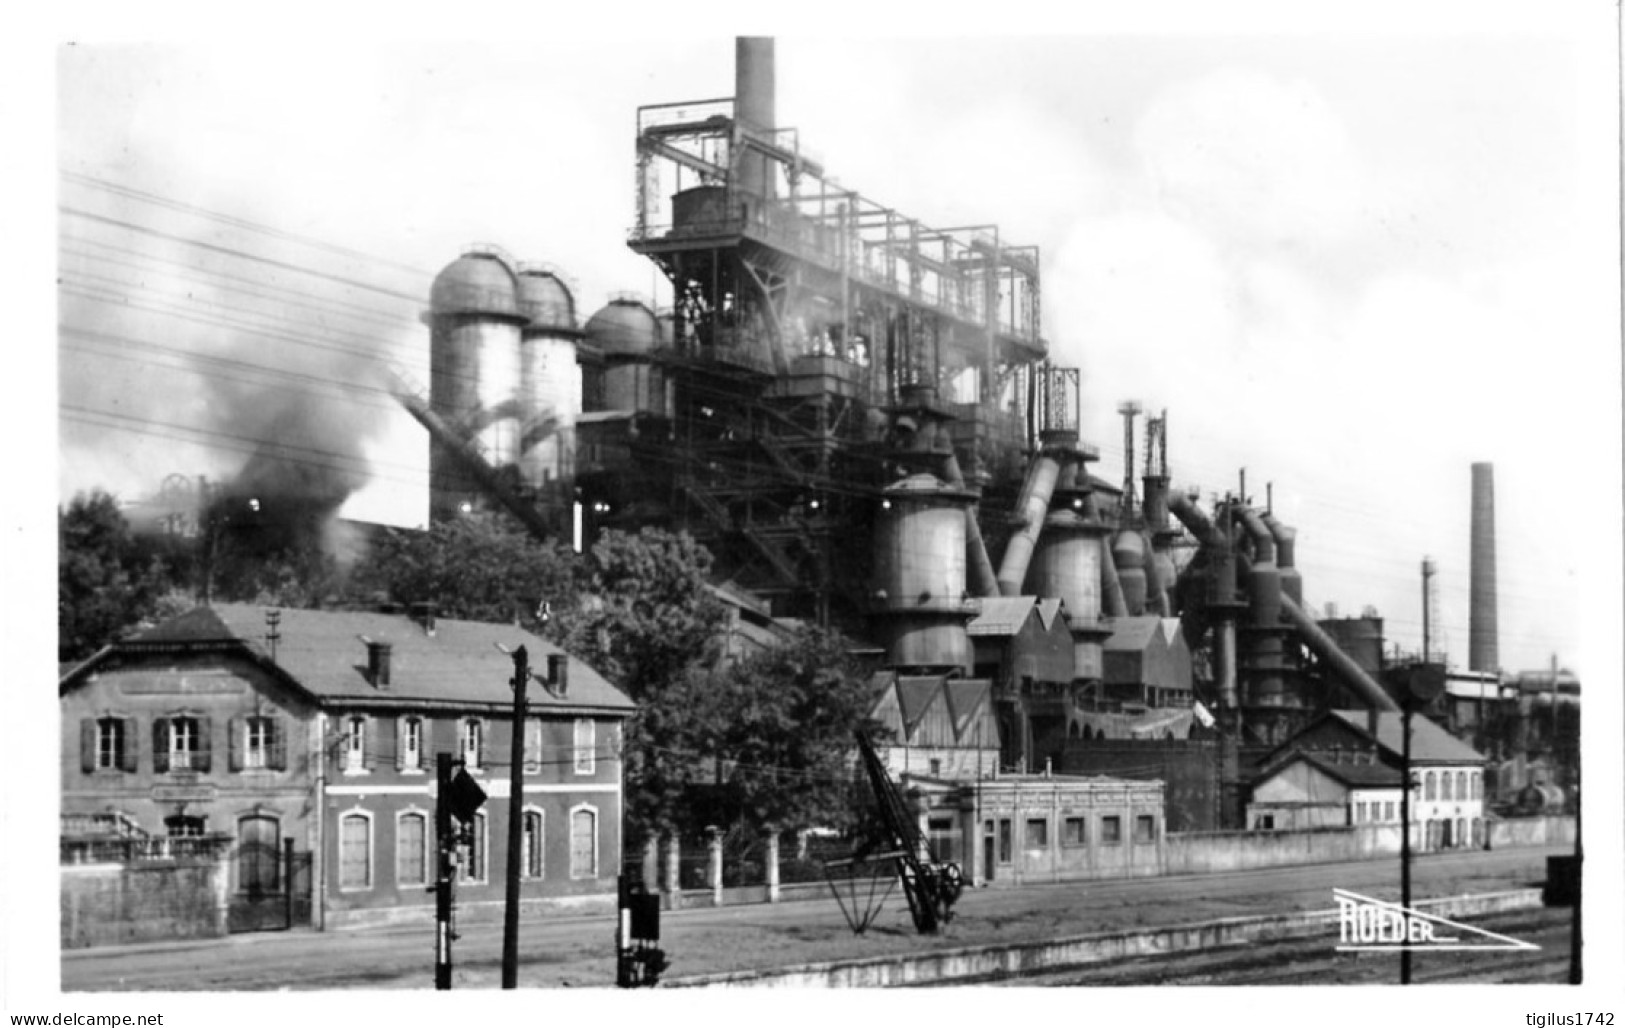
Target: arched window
(535, 845)
(411, 848)
(258, 837)
(355, 850)
(1461, 785)
(1431, 789)
(1478, 785)
(583, 843)
(1444, 787)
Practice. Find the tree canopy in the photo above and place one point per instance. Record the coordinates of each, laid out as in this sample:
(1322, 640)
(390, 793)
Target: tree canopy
(106, 583)
(482, 568)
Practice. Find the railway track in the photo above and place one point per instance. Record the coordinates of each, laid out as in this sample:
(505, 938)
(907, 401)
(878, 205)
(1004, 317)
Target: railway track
(1315, 961)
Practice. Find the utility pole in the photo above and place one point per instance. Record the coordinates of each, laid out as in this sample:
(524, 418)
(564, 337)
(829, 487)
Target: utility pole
(443, 871)
(516, 823)
(1405, 831)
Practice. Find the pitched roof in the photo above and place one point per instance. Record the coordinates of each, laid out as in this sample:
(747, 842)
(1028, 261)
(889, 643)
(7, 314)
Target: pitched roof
(1133, 633)
(916, 695)
(322, 651)
(1429, 742)
(966, 697)
(1047, 609)
(1002, 615)
(1356, 775)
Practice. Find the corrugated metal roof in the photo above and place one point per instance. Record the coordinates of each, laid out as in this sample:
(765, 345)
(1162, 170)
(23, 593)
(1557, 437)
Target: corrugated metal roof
(1429, 742)
(460, 663)
(1002, 615)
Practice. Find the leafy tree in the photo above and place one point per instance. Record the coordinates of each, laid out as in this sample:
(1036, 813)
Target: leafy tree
(782, 723)
(106, 584)
(481, 568)
(648, 620)
(647, 611)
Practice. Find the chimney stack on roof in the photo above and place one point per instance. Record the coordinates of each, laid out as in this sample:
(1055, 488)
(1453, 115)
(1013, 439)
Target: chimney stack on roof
(423, 612)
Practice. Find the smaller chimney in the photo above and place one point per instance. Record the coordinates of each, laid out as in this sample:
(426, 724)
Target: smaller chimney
(423, 612)
(558, 673)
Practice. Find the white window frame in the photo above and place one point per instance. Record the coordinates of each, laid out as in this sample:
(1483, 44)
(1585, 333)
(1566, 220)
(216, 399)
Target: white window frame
(586, 757)
(180, 757)
(372, 867)
(589, 809)
(257, 758)
(537, 856)
(110, 757)
(355, 744)
(473, 728)
(412, 755)
(428, 833)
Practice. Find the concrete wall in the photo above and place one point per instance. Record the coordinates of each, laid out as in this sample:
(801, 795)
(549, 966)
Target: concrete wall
(112, 904)
(1532, 831)
(1203, 852)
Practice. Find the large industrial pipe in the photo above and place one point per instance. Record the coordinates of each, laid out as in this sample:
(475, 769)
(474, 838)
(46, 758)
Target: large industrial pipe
(1483, 647)
(1030, 510)
(1341, 663)
(1112, 603)
(475, 464)
(1263, 541)
(979, 567)
(1285, 557)
(1223, 563)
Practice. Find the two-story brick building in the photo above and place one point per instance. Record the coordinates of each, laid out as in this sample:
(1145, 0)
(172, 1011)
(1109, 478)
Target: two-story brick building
(323, 730)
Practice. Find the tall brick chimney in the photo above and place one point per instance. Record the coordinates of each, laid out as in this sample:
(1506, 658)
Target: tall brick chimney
(1483, 647)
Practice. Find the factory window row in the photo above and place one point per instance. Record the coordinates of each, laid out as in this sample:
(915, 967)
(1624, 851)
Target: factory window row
(364, 744)
(1074, 832)
(183, 741)
(414, 857)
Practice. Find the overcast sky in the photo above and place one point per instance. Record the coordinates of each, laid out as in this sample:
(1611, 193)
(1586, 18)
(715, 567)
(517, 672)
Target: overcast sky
(1351, 263)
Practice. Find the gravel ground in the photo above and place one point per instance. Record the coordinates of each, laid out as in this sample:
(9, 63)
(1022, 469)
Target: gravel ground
(579, 952)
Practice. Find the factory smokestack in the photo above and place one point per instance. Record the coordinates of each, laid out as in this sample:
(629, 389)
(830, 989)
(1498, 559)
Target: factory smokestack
(753, 109)
(1482, 639)
(753, 82)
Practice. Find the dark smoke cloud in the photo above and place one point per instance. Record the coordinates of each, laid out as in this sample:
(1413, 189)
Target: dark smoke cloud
(180, 329)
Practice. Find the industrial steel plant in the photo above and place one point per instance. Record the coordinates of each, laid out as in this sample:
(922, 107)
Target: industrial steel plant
(856, 413)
